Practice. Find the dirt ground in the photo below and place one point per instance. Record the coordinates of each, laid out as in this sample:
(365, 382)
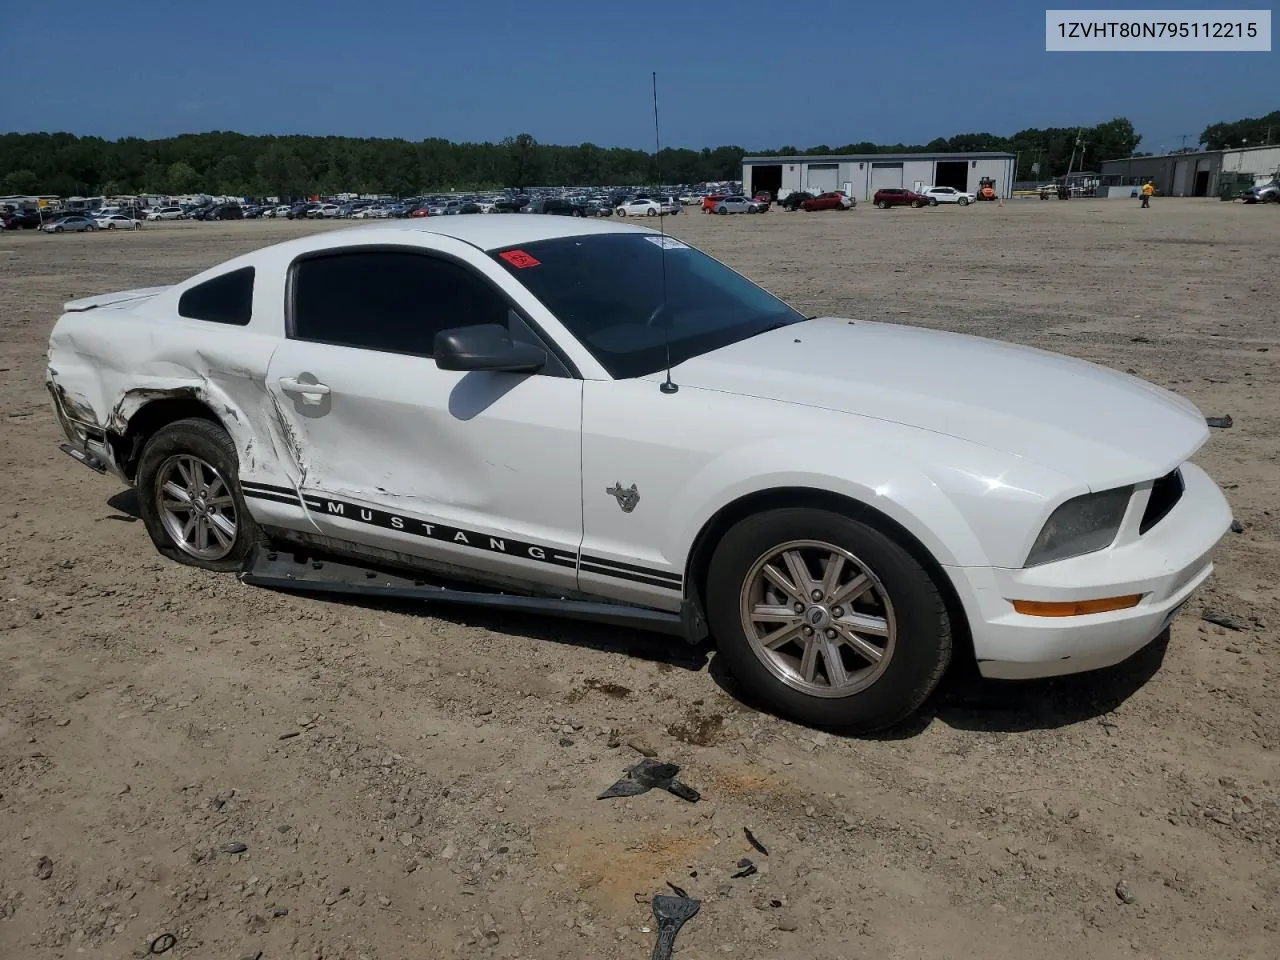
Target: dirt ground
(421, 783)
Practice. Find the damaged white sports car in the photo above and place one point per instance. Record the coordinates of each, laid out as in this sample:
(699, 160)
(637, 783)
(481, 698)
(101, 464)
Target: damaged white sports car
(593, 419)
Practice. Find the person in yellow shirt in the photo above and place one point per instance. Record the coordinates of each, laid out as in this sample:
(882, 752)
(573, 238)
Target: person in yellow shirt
(1148, 189)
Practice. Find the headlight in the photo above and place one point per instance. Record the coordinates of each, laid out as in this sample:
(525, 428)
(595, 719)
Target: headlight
(1081, 525)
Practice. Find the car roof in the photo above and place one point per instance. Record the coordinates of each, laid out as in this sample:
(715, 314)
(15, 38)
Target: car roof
(492, 231)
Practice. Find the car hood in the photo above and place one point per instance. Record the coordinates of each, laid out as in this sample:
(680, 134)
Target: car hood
(1077, 418)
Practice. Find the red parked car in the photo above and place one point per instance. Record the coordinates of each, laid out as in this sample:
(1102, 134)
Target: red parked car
(835, 200)
(763, 200)
(898, 197)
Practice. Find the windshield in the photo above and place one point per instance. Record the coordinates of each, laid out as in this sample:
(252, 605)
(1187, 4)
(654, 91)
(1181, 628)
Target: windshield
(607, 289)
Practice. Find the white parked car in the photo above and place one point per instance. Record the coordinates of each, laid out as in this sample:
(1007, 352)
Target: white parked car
(324, 211)
(640, 208)
(939, 195)
(528, 407)
(736, 204)
(166, 213)
(117, 221)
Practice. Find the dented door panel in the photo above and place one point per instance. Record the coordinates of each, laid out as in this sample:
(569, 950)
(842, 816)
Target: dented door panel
(479, 470)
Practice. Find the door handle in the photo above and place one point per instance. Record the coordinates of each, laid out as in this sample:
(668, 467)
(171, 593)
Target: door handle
(309, 392)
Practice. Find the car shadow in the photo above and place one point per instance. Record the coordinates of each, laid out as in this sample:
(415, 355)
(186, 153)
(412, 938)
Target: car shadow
(967, 701)
(606, 638)
(126, 501)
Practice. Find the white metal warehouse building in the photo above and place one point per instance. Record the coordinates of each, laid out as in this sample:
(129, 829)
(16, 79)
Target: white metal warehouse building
(1194, 174)
(861, 175)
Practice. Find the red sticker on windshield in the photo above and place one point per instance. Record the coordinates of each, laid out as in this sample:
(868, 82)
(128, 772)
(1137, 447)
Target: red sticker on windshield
(519, 259)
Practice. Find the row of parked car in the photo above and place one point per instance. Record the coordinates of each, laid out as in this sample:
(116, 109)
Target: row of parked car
(62, 222)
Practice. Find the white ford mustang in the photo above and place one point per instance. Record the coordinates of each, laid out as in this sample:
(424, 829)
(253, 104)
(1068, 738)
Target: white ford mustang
(479, 409)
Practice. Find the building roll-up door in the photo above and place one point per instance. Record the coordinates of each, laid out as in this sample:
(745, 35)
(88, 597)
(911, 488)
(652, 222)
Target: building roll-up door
(885, 175)
(1180, 168)
(823, 177)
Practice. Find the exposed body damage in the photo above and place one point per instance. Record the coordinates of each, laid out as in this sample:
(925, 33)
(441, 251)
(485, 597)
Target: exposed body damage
(365, 429)
(132, 369)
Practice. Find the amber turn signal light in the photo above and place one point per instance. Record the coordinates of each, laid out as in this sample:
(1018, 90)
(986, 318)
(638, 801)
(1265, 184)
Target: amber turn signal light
(1074, 608)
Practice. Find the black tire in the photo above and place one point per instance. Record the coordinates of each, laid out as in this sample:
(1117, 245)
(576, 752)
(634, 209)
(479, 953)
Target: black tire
(964, 201)
(111, 226)
(933, 201)
(57, 230)
(722, 211)
(209, 442)
(651, 212)
(923, 645)
(882, 204)
(916, 204)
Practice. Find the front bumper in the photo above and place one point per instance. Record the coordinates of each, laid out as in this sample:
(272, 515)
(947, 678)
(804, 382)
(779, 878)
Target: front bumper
(1165, 566)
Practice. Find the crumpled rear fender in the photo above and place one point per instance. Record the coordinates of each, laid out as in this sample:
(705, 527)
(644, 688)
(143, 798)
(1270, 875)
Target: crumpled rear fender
(104, 370)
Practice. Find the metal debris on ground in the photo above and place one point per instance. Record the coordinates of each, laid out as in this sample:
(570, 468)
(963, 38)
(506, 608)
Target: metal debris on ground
(1222, 423)
(678, 891)
(747, 869)
(236, 847)
(751, 839)
(1223, 620)
(671, 914)
(648, 774)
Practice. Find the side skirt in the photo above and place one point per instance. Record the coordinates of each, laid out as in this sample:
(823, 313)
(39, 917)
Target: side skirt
(284, 570)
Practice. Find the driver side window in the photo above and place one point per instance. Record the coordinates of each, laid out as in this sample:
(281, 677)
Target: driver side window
(388, 300)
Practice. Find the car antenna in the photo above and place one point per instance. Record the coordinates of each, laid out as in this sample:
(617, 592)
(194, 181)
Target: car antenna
(668, 386)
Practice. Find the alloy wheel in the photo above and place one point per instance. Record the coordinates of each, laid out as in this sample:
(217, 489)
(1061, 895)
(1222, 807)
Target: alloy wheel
(196, 507)
(818, 618)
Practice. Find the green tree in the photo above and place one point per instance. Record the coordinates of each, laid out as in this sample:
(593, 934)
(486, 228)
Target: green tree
(181, 177)
(524, 166)
(20, 182)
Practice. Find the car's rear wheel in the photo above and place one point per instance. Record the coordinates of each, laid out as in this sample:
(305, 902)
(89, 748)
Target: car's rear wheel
(826, 619)
(189, 496)
(882, 204)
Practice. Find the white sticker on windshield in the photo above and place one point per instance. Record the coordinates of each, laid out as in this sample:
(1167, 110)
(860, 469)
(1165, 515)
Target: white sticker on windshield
(667, 243)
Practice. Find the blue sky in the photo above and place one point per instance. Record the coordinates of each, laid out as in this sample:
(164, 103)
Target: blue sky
(757, 73)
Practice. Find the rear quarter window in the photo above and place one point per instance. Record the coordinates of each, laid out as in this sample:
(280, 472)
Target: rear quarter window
(227, 298)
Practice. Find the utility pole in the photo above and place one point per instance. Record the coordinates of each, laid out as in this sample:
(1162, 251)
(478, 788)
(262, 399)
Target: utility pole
(1183, 137)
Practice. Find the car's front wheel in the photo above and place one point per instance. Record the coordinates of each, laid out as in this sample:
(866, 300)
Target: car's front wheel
(963, 201)
(189, 496)
(826, 619)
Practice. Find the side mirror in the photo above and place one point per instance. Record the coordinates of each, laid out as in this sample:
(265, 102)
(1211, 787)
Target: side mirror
(486, 346)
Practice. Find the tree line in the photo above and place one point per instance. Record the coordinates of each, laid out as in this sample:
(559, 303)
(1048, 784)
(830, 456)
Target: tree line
(235, 164)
